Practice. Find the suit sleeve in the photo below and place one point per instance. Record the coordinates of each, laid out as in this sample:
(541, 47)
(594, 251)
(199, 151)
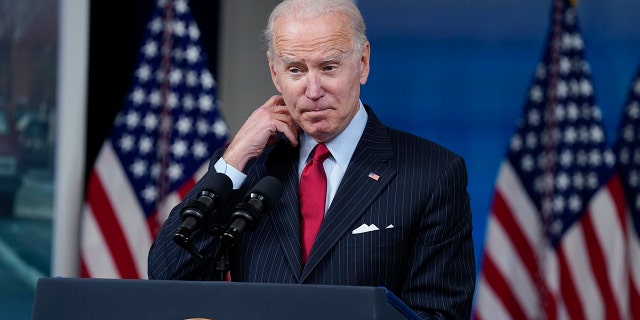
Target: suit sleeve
(442, 270)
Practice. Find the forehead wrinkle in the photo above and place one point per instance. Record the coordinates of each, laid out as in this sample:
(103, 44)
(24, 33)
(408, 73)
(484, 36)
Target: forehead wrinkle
(335, 50)
(330, 37)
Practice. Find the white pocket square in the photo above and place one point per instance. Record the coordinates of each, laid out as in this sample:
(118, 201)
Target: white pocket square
(368, 228)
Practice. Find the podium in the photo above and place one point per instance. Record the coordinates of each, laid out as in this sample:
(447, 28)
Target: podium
(96, 299)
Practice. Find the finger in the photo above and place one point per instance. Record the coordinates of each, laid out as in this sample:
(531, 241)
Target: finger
(290, 132)
(279, 100)
(274, 102)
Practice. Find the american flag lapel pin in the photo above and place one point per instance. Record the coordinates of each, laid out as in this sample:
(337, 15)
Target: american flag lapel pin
(374, 176)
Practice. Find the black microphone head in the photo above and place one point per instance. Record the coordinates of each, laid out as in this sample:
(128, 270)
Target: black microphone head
(268, 187)
(218, 183)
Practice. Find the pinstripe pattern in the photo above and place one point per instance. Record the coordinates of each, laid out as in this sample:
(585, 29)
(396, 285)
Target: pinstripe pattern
(426, 258)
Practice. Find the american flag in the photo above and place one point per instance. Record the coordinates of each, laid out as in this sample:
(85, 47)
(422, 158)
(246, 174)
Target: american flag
(627, 150)
(160, 144)
(555, 245)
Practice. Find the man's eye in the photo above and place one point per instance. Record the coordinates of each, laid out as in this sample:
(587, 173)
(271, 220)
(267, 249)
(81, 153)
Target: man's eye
(329, 68)
(294, 70)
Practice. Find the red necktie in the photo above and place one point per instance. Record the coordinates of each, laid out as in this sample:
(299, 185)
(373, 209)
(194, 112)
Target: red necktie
(313, 195)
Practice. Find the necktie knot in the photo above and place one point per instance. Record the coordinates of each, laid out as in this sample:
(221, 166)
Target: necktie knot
(320, 152)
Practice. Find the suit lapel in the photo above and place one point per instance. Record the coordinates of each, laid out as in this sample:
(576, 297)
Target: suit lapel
(283, 165)
(357, 190)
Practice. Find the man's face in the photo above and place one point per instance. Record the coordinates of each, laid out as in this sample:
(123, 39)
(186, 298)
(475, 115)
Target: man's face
(318, 72)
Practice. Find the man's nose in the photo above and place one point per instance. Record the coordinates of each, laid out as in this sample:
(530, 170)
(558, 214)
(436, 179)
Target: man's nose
(314, 90)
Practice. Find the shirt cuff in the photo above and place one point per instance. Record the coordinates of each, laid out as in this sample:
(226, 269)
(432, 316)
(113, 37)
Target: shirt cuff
(236, 176)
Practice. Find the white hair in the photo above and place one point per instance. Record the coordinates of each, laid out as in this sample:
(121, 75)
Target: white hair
(313, 8)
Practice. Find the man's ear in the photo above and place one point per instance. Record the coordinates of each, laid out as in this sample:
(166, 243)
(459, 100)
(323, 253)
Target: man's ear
(365, 58)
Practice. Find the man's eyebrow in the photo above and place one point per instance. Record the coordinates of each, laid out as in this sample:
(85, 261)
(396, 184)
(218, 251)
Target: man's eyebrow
(287, 60)
(336, 57)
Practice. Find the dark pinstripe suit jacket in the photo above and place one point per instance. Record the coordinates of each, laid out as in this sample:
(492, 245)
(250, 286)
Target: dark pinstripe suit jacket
(426, 257)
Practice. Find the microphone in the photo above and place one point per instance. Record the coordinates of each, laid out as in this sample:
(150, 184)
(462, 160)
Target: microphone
(216, 188)
(246, 215)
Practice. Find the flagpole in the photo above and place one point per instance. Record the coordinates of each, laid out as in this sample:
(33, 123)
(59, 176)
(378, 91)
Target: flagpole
(70, 137)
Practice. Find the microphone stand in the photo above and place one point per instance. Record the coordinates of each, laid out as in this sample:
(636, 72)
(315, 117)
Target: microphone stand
(221, 259)
(221, 263)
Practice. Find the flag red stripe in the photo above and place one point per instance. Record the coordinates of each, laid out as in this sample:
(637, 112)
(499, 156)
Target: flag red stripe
(476, 316)
(153, 224)
(634, 299)
(84, 272)
(503, 214)
(549, 305)
(616, 192)
(502, 289)
(568, 289)
(599, 267)
(186, 187)
(110, 228)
